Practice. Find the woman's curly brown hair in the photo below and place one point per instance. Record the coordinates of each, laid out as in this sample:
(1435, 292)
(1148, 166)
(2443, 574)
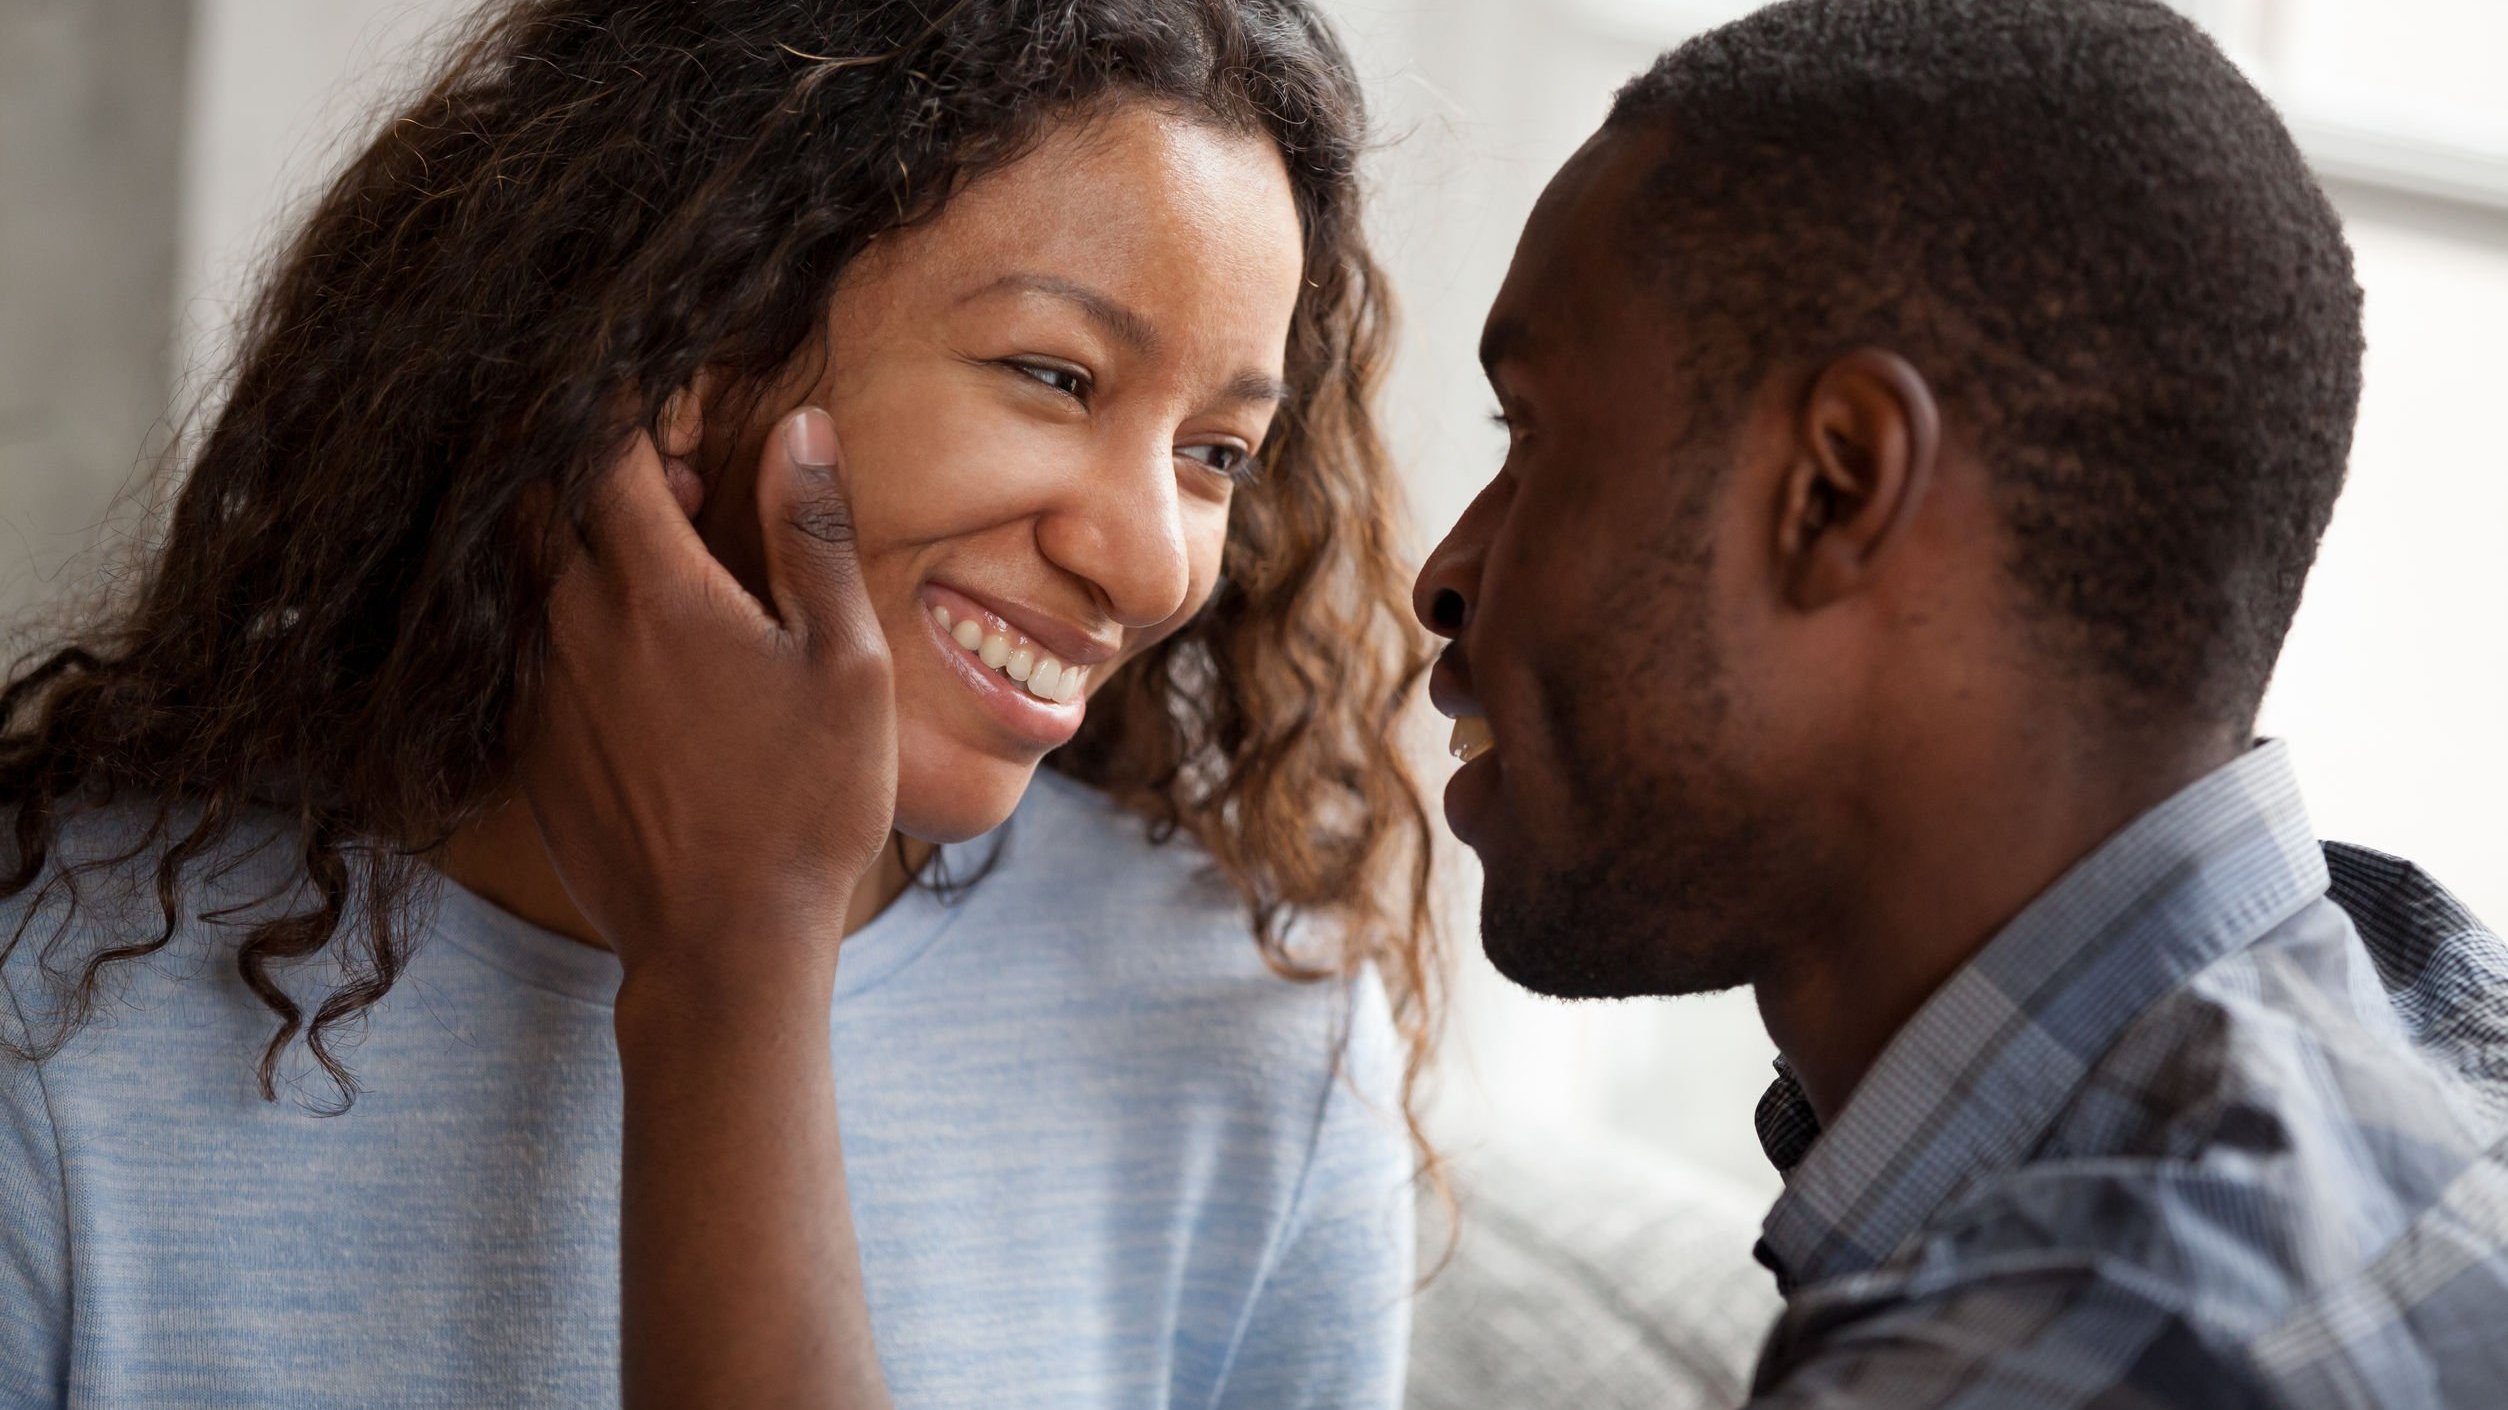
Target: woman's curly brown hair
(595, 201)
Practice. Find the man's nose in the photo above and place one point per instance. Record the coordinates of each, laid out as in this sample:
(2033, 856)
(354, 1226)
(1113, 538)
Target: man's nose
(1124, 534)
(1448, 589)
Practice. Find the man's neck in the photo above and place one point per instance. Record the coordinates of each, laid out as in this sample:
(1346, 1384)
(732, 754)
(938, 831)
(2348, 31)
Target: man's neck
(1949, 852)
(500, 859)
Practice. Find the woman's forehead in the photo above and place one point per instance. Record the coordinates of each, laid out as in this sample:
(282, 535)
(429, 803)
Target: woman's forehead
(1144, 204)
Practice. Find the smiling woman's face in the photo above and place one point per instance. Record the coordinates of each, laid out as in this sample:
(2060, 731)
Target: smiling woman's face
(1046, 396)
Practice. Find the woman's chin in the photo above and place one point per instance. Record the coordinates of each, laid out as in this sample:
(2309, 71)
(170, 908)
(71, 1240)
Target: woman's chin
(959, 799)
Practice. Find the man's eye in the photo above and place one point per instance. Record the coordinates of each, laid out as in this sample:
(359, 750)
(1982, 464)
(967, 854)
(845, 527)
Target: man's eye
(1071, 382)
(1227, 461)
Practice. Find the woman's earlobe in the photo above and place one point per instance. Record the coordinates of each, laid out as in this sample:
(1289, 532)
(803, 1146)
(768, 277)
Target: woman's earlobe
(683, 421)
(682, 427)
(687, 486)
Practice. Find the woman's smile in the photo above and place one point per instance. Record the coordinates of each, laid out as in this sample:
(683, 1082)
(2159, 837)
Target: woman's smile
(1037, 688)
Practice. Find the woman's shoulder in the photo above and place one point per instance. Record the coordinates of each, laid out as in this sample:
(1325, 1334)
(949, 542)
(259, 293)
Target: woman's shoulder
(111, 879)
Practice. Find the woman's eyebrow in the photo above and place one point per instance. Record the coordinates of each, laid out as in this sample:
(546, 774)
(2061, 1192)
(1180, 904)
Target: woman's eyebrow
(1257, 387)
(1120, 322)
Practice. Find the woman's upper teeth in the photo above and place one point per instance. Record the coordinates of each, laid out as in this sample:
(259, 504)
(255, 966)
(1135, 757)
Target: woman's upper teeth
(1015, 657)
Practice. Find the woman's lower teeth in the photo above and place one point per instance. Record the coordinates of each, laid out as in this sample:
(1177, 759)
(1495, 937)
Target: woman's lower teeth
(1045, 678)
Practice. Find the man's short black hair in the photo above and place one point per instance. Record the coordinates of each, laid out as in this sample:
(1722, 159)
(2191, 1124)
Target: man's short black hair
(2098, 242)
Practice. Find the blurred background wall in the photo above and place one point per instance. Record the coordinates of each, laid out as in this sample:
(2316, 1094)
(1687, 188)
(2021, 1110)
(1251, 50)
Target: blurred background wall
(151, 149)
(92, 120)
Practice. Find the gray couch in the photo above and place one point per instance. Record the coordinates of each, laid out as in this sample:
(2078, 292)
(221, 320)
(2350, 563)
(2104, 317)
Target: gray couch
(1588, 1277)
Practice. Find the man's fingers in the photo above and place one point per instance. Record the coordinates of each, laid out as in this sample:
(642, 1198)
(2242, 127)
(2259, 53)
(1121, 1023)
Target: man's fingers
(638, 529)
(812, 572)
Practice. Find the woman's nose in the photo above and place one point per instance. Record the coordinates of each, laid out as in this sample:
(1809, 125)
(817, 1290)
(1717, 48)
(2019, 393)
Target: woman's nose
(1124, 534)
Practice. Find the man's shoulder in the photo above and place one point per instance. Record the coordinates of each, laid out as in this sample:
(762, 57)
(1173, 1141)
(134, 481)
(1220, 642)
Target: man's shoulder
(2283, 1065)
(2217, 1280)
(2442, 968)
(2267, 1149)
(2282, 1174)
(2270, 1127)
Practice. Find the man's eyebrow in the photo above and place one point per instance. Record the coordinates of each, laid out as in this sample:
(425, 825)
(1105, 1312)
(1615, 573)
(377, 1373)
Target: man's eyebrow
(1124, 325)
(1501, 340)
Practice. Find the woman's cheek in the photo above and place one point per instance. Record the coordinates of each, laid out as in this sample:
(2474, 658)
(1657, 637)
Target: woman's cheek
(1206, 539)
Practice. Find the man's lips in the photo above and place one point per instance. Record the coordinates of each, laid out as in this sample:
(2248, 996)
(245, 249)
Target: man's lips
(1450, 684)
(1450, 690)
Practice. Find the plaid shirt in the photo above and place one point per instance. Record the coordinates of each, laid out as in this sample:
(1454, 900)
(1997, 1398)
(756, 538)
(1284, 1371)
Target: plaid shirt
(2219, 1120)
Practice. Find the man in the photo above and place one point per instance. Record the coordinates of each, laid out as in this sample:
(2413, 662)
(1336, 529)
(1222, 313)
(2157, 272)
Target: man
(1924, 414)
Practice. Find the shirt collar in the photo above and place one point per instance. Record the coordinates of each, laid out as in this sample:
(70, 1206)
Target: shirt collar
(1969, 1085)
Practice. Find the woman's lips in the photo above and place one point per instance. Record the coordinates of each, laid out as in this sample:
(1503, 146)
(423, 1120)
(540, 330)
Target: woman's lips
(991, 641)
(1046, 720)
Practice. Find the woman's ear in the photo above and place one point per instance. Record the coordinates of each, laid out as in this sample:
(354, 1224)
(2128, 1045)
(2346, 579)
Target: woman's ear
(682, 433)
(1865, 443)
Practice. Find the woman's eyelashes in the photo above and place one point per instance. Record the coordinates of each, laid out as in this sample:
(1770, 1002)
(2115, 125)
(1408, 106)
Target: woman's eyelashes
(1060, 377)
(1230, 462)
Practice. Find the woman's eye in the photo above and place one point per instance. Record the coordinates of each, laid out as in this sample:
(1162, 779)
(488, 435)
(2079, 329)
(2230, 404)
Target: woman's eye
(1229, 462)
(1068, 381)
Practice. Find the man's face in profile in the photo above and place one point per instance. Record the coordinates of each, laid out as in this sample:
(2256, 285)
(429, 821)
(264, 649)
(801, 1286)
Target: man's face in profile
(1617, 811)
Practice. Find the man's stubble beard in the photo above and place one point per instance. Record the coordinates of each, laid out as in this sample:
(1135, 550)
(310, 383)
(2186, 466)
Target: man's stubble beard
(1656, 884)
(1657, 895)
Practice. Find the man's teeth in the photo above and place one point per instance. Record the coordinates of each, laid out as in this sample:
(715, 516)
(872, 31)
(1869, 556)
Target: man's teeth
(1471, 738)
(1046, 678)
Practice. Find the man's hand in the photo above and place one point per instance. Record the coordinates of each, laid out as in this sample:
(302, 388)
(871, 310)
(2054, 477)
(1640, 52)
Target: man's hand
(714, 773)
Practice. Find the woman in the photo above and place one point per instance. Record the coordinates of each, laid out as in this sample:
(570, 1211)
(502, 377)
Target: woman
(1071, 299)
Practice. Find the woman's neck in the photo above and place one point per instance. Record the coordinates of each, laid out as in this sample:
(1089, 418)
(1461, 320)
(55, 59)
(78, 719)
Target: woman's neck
(500, 859)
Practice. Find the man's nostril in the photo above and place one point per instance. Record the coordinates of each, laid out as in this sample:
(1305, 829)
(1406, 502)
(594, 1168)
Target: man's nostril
(1447, 610)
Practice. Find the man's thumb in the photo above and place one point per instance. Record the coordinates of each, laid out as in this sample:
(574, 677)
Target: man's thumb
(812, 575)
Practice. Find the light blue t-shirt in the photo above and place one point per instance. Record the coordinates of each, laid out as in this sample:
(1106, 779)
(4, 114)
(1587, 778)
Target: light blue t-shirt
(1100, 1156)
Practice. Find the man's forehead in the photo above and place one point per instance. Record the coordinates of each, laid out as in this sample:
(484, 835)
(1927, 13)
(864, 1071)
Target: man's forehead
(1571, 267)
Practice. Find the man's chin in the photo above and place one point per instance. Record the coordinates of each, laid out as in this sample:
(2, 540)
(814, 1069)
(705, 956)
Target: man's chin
(1588, 948)
(1550, 959)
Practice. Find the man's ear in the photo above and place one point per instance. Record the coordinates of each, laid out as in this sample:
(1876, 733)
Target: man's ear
(1865, 440)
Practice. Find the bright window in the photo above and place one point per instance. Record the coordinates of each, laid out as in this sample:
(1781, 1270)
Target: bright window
(2423, 71)
(2408, 94)
(2401, 93)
